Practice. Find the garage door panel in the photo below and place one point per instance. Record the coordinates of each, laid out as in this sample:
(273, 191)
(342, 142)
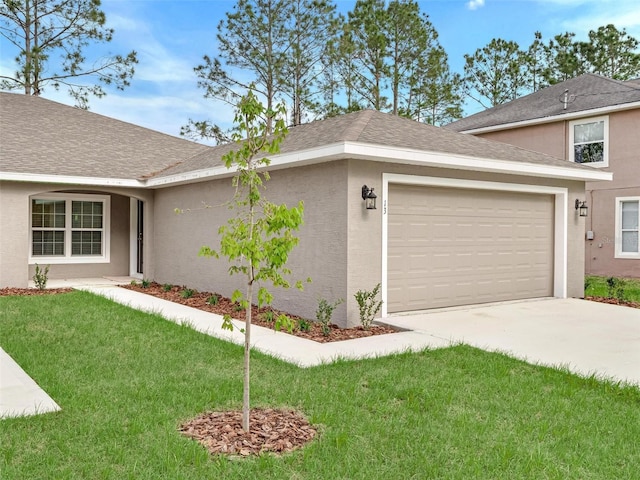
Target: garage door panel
(454, 247)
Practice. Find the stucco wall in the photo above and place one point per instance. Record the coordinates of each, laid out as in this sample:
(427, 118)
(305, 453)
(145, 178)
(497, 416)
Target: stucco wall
(321, 253)
(14, 234)
(340, 256)
(600, 252)
(550, 138)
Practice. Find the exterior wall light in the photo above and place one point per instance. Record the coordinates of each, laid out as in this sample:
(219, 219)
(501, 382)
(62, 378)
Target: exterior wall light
(582, 207)
(369, 197)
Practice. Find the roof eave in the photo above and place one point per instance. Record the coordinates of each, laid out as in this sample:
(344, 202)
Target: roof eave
(407, 156)
(71, 180)
(554, 118)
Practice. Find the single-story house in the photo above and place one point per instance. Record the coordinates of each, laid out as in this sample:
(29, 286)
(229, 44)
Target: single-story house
(459, 219)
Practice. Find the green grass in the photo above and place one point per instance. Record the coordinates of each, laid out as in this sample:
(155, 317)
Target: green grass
(125, 380)
(597, 287)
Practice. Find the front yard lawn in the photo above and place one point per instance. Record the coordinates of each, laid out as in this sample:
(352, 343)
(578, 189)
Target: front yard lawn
(126, 380)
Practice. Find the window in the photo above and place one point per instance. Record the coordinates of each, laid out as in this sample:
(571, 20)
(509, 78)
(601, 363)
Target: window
(69, 228)
(628, 227)
(589, 141)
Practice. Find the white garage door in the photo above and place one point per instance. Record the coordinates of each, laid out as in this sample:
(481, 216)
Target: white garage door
(449, 246)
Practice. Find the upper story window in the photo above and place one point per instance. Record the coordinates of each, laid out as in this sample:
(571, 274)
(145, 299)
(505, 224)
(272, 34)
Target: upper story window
(628, 227)
(69, 228)
(589, 141)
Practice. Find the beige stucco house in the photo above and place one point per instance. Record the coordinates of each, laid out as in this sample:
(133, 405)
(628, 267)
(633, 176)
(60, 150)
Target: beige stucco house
(591, 120)
(459, 219)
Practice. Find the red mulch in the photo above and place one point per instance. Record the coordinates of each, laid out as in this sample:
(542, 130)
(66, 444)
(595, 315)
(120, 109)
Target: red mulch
(4, 292)
(613, 301)
(270, 430)
(226, 306)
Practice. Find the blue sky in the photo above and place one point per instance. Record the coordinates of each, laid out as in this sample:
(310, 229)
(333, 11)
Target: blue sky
(171, 36)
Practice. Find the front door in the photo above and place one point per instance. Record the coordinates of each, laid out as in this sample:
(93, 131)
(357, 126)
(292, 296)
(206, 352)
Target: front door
(139, 236)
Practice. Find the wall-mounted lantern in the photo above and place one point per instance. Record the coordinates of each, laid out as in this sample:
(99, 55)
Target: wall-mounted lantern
(369, 198)
(582, 207)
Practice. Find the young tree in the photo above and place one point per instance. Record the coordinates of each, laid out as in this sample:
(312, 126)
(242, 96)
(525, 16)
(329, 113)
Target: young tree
(495, 73)
(257, 241)
(49, 37)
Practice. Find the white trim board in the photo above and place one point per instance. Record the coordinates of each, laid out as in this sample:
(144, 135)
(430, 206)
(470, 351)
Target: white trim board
(560, 266)
(552, 119)
(338, 151)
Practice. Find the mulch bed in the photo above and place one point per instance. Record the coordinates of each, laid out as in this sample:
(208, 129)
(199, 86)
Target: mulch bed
(4, 292)
(258, 315)
(613, 301)
(270, 430)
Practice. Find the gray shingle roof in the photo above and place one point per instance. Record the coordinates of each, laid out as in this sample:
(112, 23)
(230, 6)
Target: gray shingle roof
(586, 92)
(40, 136)
(386, 130)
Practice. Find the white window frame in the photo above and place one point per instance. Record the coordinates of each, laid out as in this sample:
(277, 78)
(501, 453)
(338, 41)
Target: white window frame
(67, 258)
(618, 232)
(605, 150)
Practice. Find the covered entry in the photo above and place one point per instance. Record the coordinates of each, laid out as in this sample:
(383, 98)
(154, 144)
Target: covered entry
(450, 246)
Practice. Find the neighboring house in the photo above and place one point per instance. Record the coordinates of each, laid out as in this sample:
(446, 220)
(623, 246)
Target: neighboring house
(459, 219)
(591, 120)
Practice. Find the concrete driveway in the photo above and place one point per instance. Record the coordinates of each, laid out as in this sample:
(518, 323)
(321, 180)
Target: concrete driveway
(586, 337)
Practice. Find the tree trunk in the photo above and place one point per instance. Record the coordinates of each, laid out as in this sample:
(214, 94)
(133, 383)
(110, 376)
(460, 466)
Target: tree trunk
(246, 408)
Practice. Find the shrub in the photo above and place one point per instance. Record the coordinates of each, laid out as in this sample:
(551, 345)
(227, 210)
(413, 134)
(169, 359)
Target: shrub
(616, 288)
(213, 299)
(324, 313)
(41, 277)
(368, 305)
(268, 316)
(167, 287)
(304, 325)
(588, 282)
(284, 322)
(146, 283)
(187, 292)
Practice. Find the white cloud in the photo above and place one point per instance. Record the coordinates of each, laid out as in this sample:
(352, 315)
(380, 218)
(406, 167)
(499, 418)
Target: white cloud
(475, 4)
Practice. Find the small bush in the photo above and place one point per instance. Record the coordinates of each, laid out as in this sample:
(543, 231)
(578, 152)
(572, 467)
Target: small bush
(268, 316)
(304, 325)
(284, 322)
(213, 299)
(41, 277)
(167, 287)
(146, 283)
(588, 282)
(187, 292)
(324, 312)
(368, 305)
(616, 288)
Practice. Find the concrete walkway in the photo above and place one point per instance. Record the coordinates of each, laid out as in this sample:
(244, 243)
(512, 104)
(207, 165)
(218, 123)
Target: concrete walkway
(19, 394)
(584, 337)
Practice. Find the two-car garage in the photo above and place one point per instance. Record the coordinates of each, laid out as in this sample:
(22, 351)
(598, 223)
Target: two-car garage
(450, 246)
